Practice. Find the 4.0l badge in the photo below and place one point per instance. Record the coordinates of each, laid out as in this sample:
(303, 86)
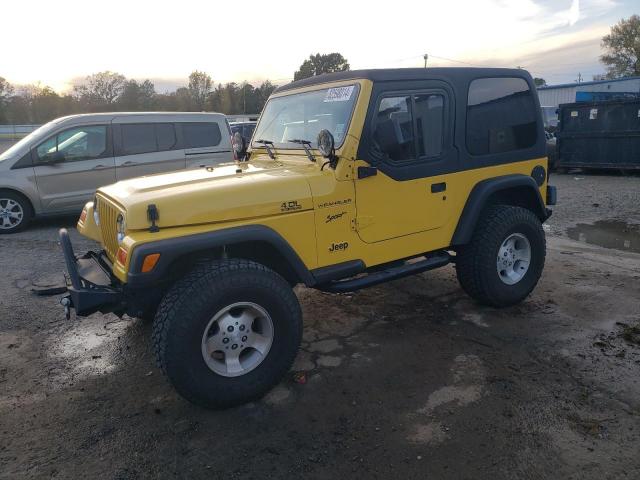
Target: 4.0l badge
(290, 206)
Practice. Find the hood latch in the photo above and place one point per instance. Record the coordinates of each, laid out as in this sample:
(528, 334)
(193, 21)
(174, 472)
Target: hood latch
(153, 216)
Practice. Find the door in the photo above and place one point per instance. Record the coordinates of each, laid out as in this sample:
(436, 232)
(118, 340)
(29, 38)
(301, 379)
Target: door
(146, 148)
(401, 187)
(71, 165)
(205, 143)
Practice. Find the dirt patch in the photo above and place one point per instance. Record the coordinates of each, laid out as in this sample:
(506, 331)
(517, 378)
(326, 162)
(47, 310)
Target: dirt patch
(405, 380)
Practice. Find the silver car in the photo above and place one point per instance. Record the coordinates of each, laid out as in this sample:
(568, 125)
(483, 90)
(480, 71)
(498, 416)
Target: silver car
(57, 168)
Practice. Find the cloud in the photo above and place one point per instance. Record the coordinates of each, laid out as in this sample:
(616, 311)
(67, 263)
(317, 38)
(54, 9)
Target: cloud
(468, 31)
(574, 12)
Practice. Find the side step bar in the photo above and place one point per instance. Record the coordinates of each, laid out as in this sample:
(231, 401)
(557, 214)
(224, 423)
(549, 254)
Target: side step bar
(437, 260)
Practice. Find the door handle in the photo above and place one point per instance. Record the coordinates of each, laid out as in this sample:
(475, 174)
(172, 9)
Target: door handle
(438, 187)
(99, 167)
(129, 163)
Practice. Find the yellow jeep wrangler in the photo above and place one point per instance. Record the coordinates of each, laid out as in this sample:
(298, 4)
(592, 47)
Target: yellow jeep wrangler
(350, 180)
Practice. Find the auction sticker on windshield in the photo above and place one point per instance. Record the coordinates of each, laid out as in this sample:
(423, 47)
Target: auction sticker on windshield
(339, 94)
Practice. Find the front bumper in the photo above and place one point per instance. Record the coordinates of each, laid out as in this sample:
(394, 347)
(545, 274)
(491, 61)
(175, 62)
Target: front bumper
(552, 195)
(91, 285)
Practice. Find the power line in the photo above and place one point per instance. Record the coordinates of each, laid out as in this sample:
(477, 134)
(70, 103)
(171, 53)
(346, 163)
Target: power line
(453, 60)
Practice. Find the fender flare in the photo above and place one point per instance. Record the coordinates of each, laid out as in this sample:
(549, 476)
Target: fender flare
(480, 195)
(173, 248)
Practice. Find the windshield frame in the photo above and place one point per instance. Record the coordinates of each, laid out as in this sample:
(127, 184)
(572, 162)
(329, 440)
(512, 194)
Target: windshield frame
(326, 86)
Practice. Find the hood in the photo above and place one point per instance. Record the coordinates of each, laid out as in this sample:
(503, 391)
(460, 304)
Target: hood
(220, 194)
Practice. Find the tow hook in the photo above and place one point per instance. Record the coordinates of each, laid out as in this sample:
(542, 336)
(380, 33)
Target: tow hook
(66, 303)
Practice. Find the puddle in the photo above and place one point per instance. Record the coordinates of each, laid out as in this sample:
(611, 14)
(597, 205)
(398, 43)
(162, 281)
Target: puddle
(609, 234)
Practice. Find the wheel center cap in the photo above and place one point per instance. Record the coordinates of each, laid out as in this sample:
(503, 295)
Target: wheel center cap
(236, 332)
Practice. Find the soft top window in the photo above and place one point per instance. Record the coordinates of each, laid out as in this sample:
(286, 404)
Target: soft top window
(501, 116)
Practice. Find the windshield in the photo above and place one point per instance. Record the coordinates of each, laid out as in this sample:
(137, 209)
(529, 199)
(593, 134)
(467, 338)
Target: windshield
(26, 140)
(301, 116)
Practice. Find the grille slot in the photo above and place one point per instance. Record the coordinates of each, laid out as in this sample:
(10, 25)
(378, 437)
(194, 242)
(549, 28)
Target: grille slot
(108, 214)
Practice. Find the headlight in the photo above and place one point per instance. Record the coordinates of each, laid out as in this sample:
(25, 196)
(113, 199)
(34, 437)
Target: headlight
(121, 228)
(96, 216)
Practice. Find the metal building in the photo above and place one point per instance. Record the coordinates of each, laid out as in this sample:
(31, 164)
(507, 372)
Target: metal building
(601, 90)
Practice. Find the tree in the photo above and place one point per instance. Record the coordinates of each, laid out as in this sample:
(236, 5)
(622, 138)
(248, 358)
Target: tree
(103, 88)
(137, 96)
(45, 105)
(318, 64)
(5, 93)
(263, 92)
(539, 82)
(5, 90)
(622, 48)
(200, 85)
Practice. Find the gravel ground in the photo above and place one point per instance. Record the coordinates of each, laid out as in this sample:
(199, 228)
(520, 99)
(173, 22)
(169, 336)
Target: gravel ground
(405, 380)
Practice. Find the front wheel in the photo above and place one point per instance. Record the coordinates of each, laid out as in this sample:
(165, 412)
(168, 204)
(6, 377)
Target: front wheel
(504, 260)
(227, 332)
(15, 212)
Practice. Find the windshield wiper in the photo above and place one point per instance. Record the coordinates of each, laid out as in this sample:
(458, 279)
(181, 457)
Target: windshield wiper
(305, 144)
(268, 144)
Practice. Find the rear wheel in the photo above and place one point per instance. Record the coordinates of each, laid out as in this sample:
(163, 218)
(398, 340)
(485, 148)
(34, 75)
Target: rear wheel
(227, 332)
(15, 212)
(504, 260)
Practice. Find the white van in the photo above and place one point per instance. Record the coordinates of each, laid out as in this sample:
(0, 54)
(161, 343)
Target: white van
(57, 168)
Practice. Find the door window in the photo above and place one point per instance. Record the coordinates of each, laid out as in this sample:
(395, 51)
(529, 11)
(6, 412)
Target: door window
(248, 131)
(75, 144)
(197, 135)
(410, 127)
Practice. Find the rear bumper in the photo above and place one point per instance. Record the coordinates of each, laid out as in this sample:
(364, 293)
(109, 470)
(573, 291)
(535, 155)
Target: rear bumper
(91, 285)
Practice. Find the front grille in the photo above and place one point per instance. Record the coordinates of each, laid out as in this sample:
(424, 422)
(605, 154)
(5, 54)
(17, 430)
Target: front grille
(108, 214)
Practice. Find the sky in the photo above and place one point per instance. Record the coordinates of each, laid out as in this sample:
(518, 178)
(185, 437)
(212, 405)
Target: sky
(58, 42)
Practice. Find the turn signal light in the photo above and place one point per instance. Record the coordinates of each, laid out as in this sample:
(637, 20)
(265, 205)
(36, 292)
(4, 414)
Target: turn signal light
(121, 256)
(150, 262)
(83, 215)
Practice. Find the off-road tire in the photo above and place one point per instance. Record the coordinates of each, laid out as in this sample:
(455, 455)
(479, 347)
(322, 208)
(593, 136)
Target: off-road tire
(189, 305)
(476, 262)
(27, 211)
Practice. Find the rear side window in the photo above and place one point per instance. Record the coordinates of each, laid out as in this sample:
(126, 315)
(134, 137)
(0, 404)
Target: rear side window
(198, 135)
(138, 138)
(166, 136)
(501, 116)
(410, 127)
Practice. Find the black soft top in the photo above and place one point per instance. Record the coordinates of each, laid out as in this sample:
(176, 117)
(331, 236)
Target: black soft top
(452, 74)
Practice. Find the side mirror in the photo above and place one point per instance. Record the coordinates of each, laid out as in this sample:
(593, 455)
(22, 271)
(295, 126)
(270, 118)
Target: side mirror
(238, 145)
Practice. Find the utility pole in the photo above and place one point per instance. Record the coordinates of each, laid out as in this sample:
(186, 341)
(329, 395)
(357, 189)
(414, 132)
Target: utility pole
(426, 57)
